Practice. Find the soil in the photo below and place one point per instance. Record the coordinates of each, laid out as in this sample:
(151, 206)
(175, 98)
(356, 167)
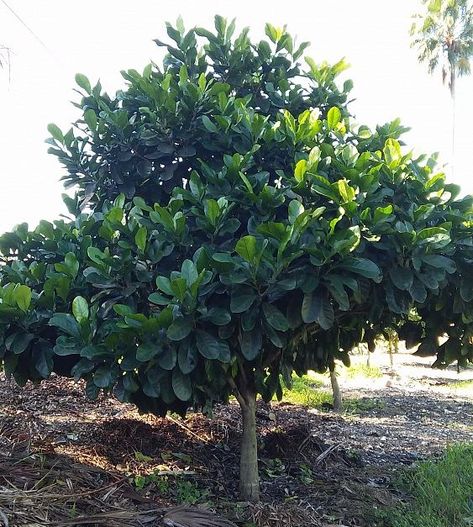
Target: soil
(65, 460)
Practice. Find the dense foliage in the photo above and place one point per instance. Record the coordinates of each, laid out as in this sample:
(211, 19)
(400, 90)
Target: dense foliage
(230, 226)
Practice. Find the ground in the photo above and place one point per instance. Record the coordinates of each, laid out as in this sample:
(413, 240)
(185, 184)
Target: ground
(65, 460)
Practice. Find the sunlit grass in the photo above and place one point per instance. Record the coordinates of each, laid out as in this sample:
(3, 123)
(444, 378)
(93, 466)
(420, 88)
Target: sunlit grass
(311, 392)
(307, 391)
(462, 385)
(363, 370)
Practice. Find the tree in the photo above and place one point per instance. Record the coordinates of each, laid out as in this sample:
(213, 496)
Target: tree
(232, 226)
(443, 35)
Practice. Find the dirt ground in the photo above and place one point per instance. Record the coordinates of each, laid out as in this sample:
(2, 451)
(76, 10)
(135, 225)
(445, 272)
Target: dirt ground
(65, 460)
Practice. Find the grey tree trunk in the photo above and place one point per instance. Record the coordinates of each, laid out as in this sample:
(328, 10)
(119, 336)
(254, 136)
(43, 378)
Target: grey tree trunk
(249, 476)
(337, 394)
(452, 94)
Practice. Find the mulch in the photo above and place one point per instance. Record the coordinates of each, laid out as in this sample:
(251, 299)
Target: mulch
(65, 460)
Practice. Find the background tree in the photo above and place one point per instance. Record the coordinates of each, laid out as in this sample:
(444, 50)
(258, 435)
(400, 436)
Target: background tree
(443, 35)
(232, 226)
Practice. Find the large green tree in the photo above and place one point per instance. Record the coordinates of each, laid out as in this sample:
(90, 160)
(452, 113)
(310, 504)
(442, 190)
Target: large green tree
(230, 226)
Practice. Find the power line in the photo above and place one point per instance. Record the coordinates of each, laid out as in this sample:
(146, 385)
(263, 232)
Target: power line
(24, 24)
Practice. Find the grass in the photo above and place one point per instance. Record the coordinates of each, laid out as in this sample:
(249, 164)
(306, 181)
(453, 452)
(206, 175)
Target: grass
(363, 370)
(462, 385)
(441, 492)
(309, 391)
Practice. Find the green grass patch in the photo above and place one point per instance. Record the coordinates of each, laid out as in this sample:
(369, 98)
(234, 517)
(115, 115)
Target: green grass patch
(462, 385)
(307, 392)
(363, 370)
(441, 492)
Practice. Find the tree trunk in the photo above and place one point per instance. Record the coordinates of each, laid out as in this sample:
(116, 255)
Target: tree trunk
(337, 394)
(452, 94)
(249, 476)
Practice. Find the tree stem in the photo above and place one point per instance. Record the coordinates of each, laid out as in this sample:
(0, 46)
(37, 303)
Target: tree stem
(249, 477)
(337, 394)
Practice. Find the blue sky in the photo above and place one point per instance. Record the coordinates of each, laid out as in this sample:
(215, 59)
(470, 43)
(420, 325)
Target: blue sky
(100, 38)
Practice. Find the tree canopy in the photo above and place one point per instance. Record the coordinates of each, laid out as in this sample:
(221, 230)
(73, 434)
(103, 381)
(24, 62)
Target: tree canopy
(230, 225)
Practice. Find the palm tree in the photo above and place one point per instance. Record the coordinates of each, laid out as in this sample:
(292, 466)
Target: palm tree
(5, 53)
(443, 35)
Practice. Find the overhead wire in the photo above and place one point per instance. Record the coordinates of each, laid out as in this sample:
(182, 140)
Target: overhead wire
(24, 24)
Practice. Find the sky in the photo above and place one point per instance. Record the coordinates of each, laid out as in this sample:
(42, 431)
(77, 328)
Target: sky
(101, 38)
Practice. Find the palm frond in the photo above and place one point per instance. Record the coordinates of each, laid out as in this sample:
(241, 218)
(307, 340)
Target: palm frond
(192, 517)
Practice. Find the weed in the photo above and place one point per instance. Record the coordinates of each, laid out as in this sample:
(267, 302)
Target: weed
(358, 406)
(139, 456)
(306, 475)
(160, 482)
(189, 492)
(274, 468)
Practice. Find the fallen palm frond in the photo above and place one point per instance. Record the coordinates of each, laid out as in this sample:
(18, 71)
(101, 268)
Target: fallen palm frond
(192, 517)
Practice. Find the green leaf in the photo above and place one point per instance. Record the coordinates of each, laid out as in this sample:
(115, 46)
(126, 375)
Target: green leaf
(66, 323)
(187, 357)
(80, 309)
(241, 301)
(83, 82)
(440, 262)
(275, 318)
(180, 328)
(164, 285)
(346, 193)
(22, 295)
(90, 117)
(392, 152)
(212, 211)
(141, 237)
(316, 307)
(158, 299)
(147, 351)
(103, 377)
(466, 289)
(246, 248)
(20, 342)
(314, 158)
(167, 360)
(66, 346)
(334, 116)
(181, 384)
(436, 236)
(209, 346)
(402, 277)
(337, 289)
(219, 316)
(295, 209)
(56, 133)
(418, 291)
(189, 272)
(209, 125)
(251, 343)
(363, 267)
(322, 186)
(300, 170)
(310, 308)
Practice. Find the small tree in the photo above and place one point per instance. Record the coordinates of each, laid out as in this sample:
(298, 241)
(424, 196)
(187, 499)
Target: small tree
(231, 226)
